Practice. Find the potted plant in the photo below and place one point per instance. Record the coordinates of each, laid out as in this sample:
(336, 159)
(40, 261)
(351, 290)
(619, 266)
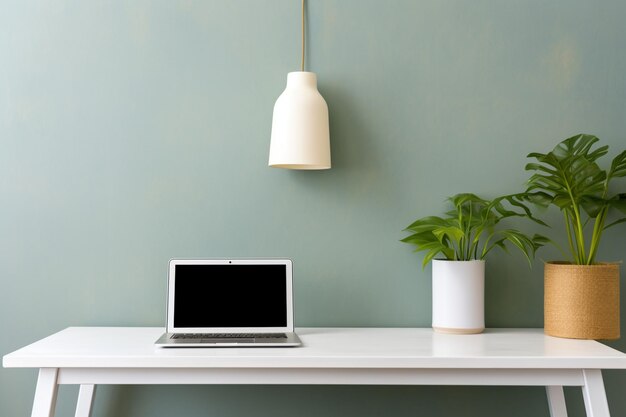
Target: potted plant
(581, 297)
(464, 238)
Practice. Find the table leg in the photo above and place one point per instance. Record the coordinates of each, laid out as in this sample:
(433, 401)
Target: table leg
(556, 401)
(594, 394)
(85, 400)
(45, 393)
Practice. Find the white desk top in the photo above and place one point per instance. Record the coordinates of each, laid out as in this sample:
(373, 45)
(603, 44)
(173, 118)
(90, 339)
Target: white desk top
(132, 347)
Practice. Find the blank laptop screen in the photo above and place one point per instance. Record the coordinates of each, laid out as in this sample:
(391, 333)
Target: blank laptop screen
(230, 296)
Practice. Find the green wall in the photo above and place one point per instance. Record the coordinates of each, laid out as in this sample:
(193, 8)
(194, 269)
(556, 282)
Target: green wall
(135, 132)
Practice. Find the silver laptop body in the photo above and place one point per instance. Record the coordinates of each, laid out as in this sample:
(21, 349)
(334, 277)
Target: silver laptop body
(229, 303)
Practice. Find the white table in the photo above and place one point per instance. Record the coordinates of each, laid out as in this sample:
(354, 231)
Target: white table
(355, 356)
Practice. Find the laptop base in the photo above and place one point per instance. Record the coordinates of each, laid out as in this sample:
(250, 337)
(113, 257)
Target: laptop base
(166, 341)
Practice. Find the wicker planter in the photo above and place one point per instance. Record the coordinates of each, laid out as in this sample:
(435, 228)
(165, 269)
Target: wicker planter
(581, 301)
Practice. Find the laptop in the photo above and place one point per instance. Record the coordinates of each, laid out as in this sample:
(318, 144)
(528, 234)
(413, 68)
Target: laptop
(229, 303)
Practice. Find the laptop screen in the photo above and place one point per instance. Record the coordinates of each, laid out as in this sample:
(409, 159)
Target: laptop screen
(230, 296)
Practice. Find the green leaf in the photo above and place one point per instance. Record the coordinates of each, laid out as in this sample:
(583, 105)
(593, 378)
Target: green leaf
(466, 199)
(420, 239)
(570, 178)
(622, 220)
(429, 256)
(473, 222)
(523, 243)
(516, 201)
(540, 240)
(538, 156)
(427, 223)
(618, 201)
(618, 166)
(532, 166)
(539, 198)
(593, 205)
(453, 233)
(499, 243)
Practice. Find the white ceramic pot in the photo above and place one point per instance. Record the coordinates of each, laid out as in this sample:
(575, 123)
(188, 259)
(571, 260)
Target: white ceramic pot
(458, 296)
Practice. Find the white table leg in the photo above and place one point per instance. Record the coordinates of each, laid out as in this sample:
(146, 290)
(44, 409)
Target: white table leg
(594, 394)
(556, 401)
(45, 393)
(85, 400)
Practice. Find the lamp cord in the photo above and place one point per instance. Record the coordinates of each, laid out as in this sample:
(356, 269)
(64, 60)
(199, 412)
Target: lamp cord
(302, 64)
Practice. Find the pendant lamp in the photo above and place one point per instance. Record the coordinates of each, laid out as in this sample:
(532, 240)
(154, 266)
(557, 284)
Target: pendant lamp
(300, 134)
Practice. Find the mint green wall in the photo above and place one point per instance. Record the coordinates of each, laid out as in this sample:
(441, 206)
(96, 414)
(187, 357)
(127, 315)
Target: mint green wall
(134, 132)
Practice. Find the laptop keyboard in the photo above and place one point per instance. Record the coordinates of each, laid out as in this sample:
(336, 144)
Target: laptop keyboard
(229, 336)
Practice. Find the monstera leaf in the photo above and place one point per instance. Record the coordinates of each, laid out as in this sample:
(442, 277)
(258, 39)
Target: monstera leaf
(570, 178)
(569, 172)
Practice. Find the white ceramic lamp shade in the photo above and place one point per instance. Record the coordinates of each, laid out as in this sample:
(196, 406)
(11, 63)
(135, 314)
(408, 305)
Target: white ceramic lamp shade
(300, 133)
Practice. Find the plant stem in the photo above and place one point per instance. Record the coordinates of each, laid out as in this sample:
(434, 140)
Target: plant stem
(577, 227)
(598, 227)
(468, 234)
(569, 235)
(486, 248)
(459, 210)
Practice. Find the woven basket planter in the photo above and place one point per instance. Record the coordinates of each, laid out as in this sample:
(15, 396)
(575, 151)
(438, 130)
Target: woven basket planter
(581, 301)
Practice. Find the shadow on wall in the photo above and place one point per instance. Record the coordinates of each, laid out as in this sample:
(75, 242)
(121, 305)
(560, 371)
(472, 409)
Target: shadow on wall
(353, 141)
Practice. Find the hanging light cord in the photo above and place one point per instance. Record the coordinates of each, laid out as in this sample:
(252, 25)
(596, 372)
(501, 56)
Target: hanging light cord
(302, 64)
